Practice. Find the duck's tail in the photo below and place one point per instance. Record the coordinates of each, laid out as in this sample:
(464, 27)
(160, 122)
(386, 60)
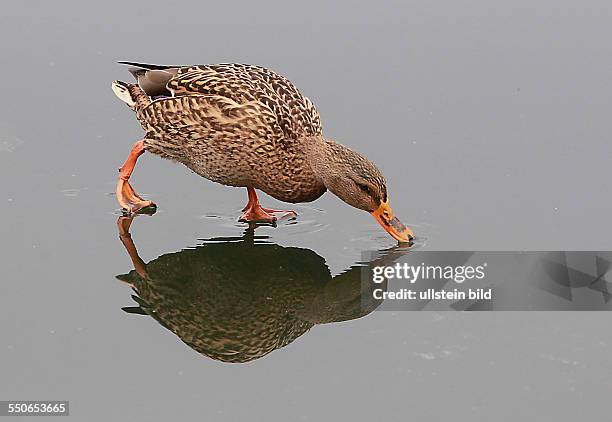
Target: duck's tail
(147, 66)
(131, 94)
(152, 78)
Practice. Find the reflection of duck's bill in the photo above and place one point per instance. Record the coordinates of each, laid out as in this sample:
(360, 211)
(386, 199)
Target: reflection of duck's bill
(386, 218)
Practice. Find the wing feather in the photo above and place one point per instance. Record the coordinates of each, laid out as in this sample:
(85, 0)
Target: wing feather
(210, 116)
(184, 128)
(295, 114)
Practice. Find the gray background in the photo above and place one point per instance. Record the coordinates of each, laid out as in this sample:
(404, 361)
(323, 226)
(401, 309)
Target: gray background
(490, 121)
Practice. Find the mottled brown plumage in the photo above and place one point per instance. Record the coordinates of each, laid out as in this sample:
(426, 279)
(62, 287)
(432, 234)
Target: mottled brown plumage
(238, 125)
(245, 125)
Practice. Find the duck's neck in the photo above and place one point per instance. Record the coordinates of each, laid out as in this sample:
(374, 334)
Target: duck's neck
(330, 161)
(311, 144)
(317, 151)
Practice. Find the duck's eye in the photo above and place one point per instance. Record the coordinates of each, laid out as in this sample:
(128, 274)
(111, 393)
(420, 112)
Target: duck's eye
(364, 188)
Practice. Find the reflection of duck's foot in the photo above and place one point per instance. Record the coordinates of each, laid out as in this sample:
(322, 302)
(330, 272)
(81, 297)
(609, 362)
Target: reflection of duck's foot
(255, 213)
(129, 200)
(123, 226)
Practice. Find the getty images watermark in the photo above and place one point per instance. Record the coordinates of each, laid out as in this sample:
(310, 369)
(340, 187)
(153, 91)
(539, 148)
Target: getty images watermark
(413, 273)
(466, 280)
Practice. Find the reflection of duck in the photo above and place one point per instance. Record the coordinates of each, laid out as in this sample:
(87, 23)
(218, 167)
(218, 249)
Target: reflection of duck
(243, 125)
(238, 299)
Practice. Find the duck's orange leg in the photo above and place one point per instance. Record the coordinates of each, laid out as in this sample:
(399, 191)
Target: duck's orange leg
(254, 212)
(127, 197)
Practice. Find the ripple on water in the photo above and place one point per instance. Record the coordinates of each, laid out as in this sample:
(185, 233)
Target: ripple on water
(73, 192)
(311, 222)
(376, 238)
(306, 222)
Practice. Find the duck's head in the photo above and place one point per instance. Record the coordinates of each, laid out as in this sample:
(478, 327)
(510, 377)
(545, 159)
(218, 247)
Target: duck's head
(357, 181)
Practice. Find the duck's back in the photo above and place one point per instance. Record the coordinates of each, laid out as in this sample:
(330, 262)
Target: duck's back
(296, 116)
(235, 124)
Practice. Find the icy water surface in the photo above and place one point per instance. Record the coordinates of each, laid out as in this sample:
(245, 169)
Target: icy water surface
(490, 122)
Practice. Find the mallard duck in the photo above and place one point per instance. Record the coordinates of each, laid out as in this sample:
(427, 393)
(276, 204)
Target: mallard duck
(246, 126)
(240, 310)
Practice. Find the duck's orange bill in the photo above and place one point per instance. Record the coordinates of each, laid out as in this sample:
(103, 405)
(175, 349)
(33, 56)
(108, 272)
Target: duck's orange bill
(387, 219)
